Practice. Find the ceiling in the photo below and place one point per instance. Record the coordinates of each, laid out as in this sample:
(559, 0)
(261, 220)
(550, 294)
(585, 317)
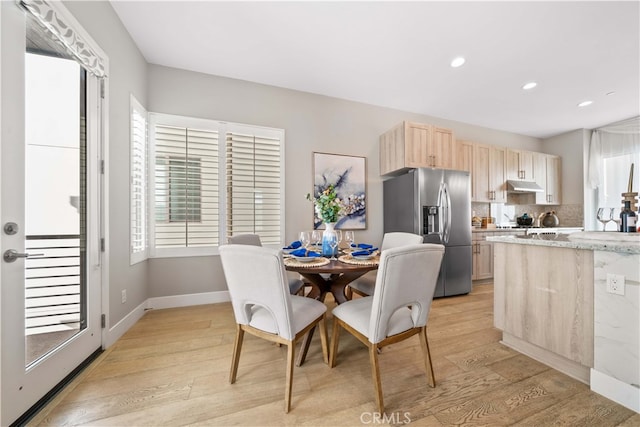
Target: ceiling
(398, 54)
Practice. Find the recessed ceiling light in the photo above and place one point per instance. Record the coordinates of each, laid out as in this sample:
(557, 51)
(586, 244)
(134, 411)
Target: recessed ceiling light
(530, 85)
(458, 62)
(585, 103)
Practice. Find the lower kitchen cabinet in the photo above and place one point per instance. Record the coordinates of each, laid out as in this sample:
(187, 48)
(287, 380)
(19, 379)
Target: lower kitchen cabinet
(482, 252)
(482, 259)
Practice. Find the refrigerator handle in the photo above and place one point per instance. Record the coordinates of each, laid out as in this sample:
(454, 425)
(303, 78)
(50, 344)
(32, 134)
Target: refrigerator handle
(446, 214)
(441, 212)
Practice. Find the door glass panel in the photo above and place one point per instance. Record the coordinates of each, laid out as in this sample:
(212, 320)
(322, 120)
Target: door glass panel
(55, 195)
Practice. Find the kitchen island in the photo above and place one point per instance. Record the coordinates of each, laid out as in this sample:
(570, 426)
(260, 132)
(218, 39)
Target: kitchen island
(553, 303)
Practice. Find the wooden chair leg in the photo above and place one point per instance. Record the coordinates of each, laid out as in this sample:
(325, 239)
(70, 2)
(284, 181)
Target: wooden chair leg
(237, 347)
(335, 336)
(427, 356)
(375, 373)
(324, 339)
(348, 293)
(290, 360)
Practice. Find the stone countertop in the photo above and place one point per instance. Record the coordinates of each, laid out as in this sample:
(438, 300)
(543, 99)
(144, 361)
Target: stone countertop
(521, 229)
(610, 241)
(498, 230)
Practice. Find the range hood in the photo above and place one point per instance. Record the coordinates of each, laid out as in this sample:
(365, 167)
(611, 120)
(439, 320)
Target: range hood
(514, 186)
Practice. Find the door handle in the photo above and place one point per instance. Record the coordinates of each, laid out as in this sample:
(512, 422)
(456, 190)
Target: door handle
(10, 255)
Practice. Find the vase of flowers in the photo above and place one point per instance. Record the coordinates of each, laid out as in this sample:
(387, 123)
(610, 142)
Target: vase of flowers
(328, 208)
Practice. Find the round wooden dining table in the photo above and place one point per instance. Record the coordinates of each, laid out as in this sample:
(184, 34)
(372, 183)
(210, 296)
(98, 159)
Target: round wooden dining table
(333, 277)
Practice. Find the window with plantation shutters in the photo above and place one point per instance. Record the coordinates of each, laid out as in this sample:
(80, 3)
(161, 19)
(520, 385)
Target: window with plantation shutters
(138, 184)
(254, 182)
(210, 180)
(185, 184)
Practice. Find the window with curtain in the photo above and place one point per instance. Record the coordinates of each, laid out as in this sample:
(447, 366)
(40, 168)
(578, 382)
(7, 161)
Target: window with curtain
(138, 177)
(612, 151)
(209, 180)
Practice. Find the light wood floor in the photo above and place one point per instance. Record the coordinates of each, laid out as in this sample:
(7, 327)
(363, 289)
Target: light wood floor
(172, 368)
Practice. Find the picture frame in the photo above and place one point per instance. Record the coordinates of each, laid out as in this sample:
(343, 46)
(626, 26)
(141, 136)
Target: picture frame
(348, 174)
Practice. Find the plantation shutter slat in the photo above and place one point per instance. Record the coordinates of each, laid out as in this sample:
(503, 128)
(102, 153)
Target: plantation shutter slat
(254, 185)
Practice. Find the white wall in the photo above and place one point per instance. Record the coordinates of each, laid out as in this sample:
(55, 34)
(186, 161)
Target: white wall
(570, 146)
(128, 72)
(311, 123)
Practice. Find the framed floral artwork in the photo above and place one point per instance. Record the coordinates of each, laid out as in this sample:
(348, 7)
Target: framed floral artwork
(348, 175)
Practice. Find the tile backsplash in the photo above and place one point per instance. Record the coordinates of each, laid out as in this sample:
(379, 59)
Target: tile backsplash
(569, 215)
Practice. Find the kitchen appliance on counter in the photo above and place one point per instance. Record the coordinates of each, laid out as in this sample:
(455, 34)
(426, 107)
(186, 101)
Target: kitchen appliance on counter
(435, 203)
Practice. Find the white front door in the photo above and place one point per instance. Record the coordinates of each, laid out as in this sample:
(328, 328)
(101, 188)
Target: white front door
(50, 184)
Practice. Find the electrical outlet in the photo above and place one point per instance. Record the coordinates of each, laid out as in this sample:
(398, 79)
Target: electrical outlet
(124, 296)
(615, 284)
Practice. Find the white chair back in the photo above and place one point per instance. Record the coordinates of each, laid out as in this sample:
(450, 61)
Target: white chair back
(266, 307)
(407, 277)
(245, 239)
(397, 238)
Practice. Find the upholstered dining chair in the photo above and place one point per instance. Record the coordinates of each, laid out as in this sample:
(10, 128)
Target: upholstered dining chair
(398, 309)
(296, 285)
(270, 311)
(363, 285)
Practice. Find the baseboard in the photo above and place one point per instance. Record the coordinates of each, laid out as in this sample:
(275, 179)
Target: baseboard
(119, 329)
(616, 390)
(188, 299)
(569, 367)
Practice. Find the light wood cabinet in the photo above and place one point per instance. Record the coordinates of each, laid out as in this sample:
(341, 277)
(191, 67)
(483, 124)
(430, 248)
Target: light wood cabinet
(548, 304)
(482, 257)
(554, 180)
(519, 165)
(548, 173)
(489, 173)
(415, 145)
(463, 155)
(442, 147)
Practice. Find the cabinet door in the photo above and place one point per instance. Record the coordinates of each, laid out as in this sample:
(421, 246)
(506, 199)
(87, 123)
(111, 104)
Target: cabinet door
(482, 173)
(484, 258)
(463, 156)
(519, 165)
(512, 164)
(526, 165)
(442, 148)
(418, 144)
(392, 151)
(498, 184)
(554, 179)
(540, 172)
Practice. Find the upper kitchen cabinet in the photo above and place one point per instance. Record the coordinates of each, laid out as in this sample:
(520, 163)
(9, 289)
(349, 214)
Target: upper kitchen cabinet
(520, 165)
(442, 148)
(415, 145)
(548, 174)
(488, 176)
(463, 155)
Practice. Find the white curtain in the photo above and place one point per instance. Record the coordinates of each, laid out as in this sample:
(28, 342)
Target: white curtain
(616, 139)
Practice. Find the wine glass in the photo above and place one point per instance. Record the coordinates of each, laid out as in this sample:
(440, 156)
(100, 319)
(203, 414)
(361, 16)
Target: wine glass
(305, 239)
(316, 236)
(350, 237)
(335, 242)
(615, 217)
(604, 216)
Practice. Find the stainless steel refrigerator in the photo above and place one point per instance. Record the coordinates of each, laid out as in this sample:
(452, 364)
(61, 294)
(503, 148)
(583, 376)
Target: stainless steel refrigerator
(437, 204)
